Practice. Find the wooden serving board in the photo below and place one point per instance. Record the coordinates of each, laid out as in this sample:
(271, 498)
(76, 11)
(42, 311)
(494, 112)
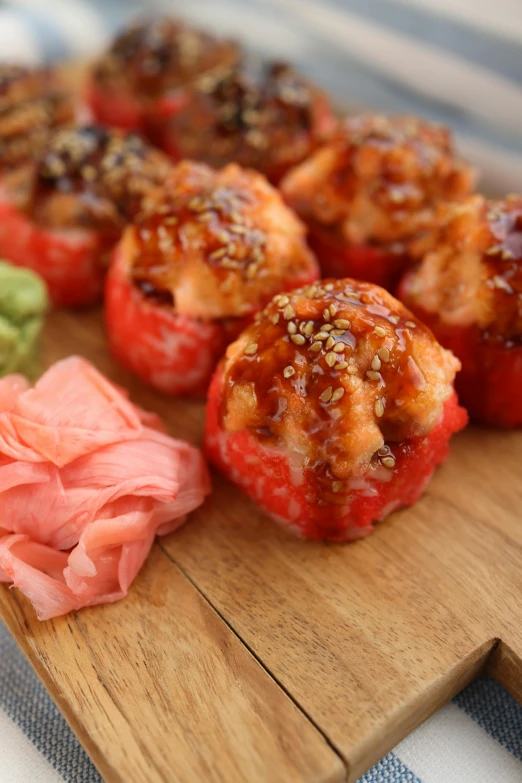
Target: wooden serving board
(244, 655)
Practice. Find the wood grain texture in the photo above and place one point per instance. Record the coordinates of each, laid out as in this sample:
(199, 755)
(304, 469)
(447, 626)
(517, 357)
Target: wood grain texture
(368, 639)
(371, 639)
(157, 687)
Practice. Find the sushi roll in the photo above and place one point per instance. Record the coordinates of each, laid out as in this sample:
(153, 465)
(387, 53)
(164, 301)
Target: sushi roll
(62, 214)
(149, 58)
(370, 193)
(23, 304)
(333, 409)
(468, 289)
(33, 104)
(208, 251)
(265, 117)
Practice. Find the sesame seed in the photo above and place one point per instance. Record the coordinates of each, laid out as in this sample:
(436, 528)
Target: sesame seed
(383, 451)
(384, 354)
(337, 486)
(251, 271)
(326, 314)
(330, 342)
(298, 339)
(379, 408)
(308, 328)
(326, 396)
(257, 253)
(342, 323)
(321, 336)
(352, 370)
(256, 139)
(292, 328)
(333, 310)
(236, 229)
(341, 366)
(329, 287)
(251, 349)
(330, 358)
(275, 319)
(222, 251)
(499, 282)
(373, 376)
(316, 347)
(339, 348)
(288, 312)
(338, 332)
(492, 251)
(411, 324)
(327, 327)
(338, 393)
(283, 301)
(288, 371)
(376, 363)
(397, 197)
(506, 255)
(388, 462)
(394, 319)
(380, 331)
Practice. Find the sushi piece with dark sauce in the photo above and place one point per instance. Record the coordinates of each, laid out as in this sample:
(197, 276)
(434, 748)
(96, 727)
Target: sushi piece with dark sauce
(371, 193)
(333, 409)
(62, 213)
(468, 288)
(207, 252)
(146, 61)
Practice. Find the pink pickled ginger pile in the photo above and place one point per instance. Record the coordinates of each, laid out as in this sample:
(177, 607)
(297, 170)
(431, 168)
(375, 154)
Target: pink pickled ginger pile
(86, 482)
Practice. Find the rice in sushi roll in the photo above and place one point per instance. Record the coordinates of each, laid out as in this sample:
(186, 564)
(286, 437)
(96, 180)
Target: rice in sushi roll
(333, 409)
(370, 194)
(147, 67)
(208, 251)
(62, 214)
(266, 117)
(468, 288)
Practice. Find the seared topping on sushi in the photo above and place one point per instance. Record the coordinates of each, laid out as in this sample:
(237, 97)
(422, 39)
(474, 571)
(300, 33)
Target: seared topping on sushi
(473, 273)
(221, 242)
(157, 54)
(379, 180)
(90, 177)
(267, 117)
(32, 105)
(336, 373)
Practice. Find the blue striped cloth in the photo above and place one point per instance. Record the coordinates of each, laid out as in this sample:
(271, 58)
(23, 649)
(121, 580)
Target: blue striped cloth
(477, 738)
(454, 61)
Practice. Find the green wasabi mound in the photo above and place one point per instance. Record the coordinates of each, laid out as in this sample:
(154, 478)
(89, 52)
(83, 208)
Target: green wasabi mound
(23, 304)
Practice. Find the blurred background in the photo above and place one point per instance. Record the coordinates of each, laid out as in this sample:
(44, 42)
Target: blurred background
(454, 61)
